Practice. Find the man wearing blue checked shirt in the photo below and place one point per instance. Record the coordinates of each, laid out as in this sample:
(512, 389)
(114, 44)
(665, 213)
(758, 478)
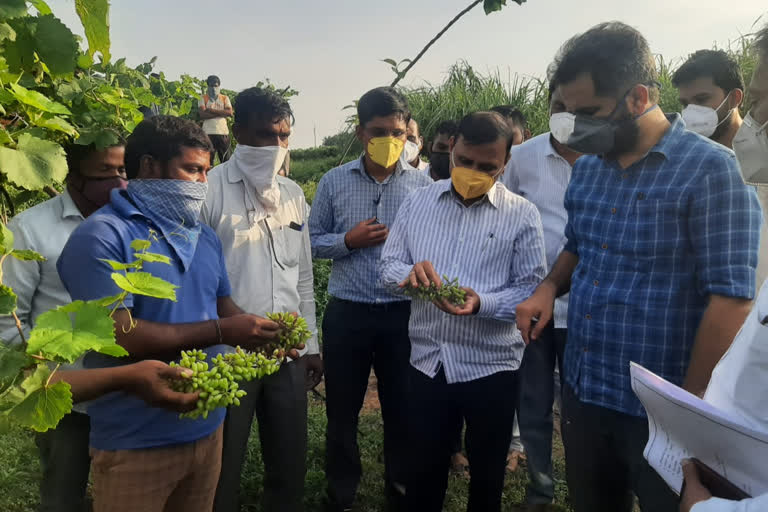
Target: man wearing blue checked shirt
(464, 358)
(660, 259)
(365, 324)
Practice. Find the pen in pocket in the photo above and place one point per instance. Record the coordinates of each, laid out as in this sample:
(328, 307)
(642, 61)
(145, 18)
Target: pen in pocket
(487, 241)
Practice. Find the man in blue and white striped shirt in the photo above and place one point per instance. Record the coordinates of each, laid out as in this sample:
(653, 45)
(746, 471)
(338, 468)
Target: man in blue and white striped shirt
(464, 357)
(365, 324)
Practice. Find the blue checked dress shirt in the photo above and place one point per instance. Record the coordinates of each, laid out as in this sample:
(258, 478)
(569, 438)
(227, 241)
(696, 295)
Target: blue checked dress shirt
(654, 241)
(346, 196)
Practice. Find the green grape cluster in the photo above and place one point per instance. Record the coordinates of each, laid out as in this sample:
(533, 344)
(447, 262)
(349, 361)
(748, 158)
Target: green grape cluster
(218, 380)
(449, 290)
(293, 331)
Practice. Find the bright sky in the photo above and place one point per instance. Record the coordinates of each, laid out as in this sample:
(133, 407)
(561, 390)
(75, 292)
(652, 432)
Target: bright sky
(329, 50)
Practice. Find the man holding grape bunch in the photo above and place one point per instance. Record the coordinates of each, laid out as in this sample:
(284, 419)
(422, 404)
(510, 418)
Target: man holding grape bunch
(464, 346)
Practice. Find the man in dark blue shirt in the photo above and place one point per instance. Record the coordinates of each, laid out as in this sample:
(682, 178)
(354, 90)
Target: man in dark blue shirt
(145, 458)
(660, 258)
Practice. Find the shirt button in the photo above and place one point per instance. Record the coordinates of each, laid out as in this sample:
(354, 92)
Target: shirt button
(605, 246)
(624, 176)
(588, 316)
(596, 282)
(613, 210)
(586, 350)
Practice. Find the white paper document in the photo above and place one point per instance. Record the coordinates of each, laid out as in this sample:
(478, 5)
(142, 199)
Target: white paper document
(682, 426)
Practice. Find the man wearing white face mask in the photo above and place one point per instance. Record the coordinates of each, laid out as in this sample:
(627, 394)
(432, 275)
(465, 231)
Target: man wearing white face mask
(261, 220)
(711, 90)
(413, 145)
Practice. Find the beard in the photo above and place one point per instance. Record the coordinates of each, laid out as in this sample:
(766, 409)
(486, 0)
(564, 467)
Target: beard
(625, 137)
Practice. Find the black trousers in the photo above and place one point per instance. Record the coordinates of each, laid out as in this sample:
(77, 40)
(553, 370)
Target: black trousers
(537, 396)
(220, 147)
(604, 461)
(436, 407)
(356, 337)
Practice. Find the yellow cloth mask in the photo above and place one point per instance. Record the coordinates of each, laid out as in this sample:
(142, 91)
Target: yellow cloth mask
(470, 183)
(385, 151)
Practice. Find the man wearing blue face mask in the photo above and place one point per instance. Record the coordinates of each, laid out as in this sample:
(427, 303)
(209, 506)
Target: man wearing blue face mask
(261, 220)
(660, 259)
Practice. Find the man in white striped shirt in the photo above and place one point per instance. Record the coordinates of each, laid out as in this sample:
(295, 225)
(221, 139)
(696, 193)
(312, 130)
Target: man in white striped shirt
(464, 357)
(540, 171)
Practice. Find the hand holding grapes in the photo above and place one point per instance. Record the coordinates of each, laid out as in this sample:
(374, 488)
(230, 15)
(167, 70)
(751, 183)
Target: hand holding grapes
(151, 381)
(249, 331)
(422, 274)
(470, 307)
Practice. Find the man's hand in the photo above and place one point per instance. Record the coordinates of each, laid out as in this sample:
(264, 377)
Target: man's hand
(693, 490)
(247, 330)
(314, 370)
(422, 274)
(367, 233)
(470, 307)
(150, 381)
(539, 306)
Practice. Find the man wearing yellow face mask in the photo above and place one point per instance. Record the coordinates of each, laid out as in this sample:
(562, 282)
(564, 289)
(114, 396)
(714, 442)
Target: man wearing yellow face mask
(365, 324)
(462, 356)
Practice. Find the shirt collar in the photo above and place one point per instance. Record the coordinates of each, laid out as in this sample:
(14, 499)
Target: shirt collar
(359, 166)
(492, 196)
(667, 142)
(119, 200)
(68, 206)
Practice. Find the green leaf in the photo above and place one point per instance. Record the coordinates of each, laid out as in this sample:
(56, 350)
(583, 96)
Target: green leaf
(12, 8)
(141, 245)
(34, 163)
(391, 62)
(84, 61)
(70, 91)
(152, 257)
(7, 32)
(94, 15)
(7, 300)
(55, 123)
(26, 383)
(12, 362)
(67, 332)
(37, 100)
(144, 283)
(42, 409)
(6, 240)
(56, 45)
(98, 136)
(109, 301)
(116, 265)
(27, 255)
(5, 137)
(41, 6)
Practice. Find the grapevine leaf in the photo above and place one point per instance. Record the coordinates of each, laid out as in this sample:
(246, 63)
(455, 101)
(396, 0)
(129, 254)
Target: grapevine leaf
(94, 14)
(56, 45)
(141, 245)
(12, 362)
(20, 56)
(144, 283)
(7, 32)
(109, 301)
(59, 337)
(55, 123)
(34, 163)
(41, 6)
(116, 265)
(70, 91)
(5, 137)
(27, 255)
(84, 61)
(496, 5)
(37, 100)
(98, 136)
(6, 240)
(43, 408)
(391, 62)
(7, 300)
(26, 383)
(152, 257)
(12, 8)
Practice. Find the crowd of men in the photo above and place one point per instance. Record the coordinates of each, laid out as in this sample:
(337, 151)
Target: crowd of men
(623, 234)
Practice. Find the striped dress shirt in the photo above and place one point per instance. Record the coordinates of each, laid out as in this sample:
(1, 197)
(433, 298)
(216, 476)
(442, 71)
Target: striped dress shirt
(538, 173)
(654, 241)
(496, 247)
(346, 196)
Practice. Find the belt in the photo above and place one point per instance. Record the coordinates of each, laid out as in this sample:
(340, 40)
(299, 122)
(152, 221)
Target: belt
(398, 305)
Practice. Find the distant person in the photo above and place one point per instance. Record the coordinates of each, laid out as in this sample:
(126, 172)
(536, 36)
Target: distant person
(711, 89)
(517, 120)
(365, 323)
(413, 146)
(439, 167)
(464, 358)
(214, 109)
(45, 228)
(540, 171)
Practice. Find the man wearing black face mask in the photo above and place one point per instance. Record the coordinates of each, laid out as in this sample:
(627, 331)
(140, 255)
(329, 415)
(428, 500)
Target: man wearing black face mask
(439, 153)
(660, 257)
(45, 228)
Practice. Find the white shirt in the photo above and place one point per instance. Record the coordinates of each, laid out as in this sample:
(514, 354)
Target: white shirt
(495, 247)
(215, 125)
(538, 173)
(758, 504)
(264, 279)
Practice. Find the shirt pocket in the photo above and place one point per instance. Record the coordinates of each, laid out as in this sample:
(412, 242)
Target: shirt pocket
(659, 227)
(288, 244)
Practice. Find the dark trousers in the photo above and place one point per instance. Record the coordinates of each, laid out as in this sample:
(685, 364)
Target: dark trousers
(436, 407)
(65, 462)
(537, 395)
(604, 460)
(280, 405)
(220, 147)
(357, 336)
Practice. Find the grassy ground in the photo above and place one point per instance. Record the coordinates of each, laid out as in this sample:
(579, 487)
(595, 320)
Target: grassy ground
(19, 470)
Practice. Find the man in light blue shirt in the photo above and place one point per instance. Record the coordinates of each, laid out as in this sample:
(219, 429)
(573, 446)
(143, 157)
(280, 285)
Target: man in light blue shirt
(365, 324)
(463, 356)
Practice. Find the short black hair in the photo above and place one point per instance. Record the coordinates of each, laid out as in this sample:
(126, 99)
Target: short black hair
(721, 67)
(513, 115)
(448, 128)
(76, 153)
(162, 138)
(382, 102)
(761, 42)
(262, 105)
(615, 55)
(211, 78)
(485, 128)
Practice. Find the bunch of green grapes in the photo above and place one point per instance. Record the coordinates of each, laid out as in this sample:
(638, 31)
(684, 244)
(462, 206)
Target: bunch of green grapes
(218, 381)
(449, 290)
(294, 332)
